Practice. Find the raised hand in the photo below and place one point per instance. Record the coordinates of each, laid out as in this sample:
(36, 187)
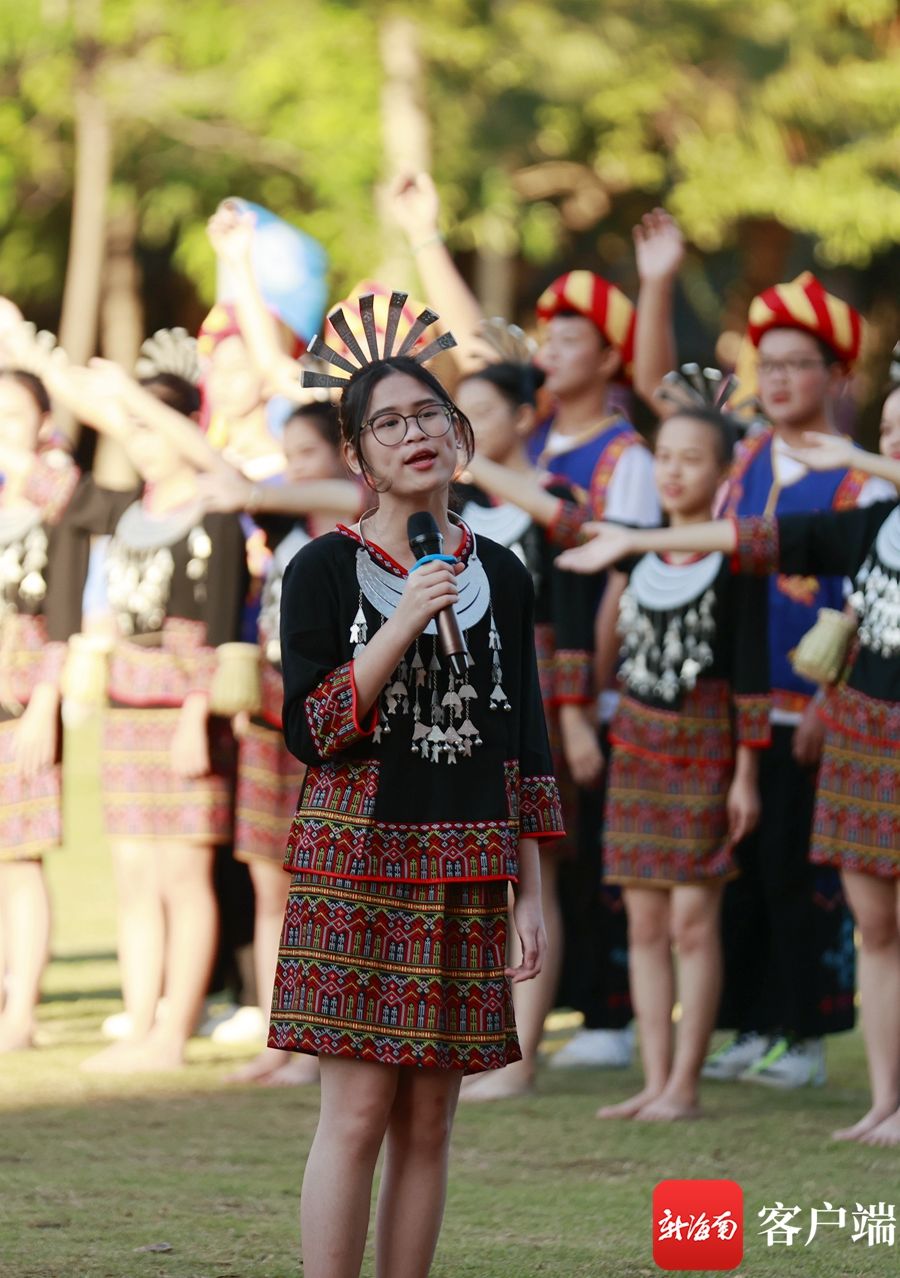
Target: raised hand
(416, 206)
(820, 451)
(608, 544)
(230, 232)
(658, 246)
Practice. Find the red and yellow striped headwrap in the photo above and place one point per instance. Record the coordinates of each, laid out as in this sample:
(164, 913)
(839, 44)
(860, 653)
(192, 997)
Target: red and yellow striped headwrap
(607, 307)
(804, 304)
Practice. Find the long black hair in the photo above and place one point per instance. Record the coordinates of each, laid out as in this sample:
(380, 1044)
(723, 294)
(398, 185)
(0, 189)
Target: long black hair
(355, 405)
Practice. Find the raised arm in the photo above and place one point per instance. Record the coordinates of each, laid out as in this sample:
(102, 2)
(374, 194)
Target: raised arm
(112, 384)
(416, 207)
(659, 251)
(230, 232)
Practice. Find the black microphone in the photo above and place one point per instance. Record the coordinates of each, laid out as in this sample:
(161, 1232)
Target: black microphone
(425, 539)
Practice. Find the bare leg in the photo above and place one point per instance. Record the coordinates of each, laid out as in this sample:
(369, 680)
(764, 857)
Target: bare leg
(140, 926)
(695, 933)
(532, 1001)
(141, 931)
(414, 1181)
(270, 888)
(191, 931)
(874, 905)
(25, 928)
(357, 1098)
(652, 991)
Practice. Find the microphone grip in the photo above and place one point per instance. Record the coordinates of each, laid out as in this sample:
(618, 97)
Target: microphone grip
(450, 641)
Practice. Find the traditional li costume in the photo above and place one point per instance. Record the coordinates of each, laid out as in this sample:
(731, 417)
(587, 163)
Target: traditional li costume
(789, 953)
(406, 834)
(269, 776)
(564, 612)
(856, 821)
(176, 585)
(695, 685)
(37, 616)
(610, 469)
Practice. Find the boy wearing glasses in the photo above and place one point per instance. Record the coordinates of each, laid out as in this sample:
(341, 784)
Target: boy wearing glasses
(789, 956)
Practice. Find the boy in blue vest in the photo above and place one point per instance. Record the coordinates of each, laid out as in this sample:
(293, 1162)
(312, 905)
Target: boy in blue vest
(788, 935)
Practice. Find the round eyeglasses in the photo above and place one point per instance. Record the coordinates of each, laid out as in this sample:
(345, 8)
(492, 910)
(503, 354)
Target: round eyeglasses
(390, 428)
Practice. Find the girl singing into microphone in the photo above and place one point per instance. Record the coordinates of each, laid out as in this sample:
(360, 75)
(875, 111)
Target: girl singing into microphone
(425, 796)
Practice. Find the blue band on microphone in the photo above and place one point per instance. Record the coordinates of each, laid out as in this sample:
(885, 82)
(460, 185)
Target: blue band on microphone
(430, 559)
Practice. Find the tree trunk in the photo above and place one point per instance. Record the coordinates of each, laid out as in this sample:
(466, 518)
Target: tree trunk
(495, 282)
(405, 130)
(121, 331)
(81, 295)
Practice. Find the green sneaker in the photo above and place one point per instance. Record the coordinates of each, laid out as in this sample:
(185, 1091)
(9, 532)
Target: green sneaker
(789, 1065)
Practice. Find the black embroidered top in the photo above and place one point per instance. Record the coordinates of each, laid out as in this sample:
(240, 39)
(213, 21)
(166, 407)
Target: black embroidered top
(837, 543)
(372, 807)
(171, 614)
(693, 634)
(565, 604)
(37, 612)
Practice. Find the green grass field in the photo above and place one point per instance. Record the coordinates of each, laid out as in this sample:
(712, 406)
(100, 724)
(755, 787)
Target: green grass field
(92, 1170)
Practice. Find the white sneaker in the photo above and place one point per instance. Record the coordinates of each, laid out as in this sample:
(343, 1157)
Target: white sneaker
(119, 1025)
(736, 1056)
(596, 1049)
(212, 1015)
(247, 1025)
(789, 1065)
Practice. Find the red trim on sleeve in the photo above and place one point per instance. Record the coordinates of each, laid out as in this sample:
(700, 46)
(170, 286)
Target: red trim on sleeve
(373, 712)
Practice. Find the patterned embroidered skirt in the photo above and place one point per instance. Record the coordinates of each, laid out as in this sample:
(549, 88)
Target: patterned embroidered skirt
(666, 823)
(268, 786)
(398, 973)
(857, 816)
(30, 808)
(142, 796)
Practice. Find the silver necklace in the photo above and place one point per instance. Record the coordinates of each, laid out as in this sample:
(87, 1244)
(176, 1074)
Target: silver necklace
(383, 588)
(667, 621)
(876, 597)
(438, 703)
(23, 559)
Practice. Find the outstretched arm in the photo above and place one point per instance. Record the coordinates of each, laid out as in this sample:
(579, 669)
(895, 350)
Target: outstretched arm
(659, 250)
(416, 207)
(837, 452)
(523, 490)
(229, 490)
(611, 542)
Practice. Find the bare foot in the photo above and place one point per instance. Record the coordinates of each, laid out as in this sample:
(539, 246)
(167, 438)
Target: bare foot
(118, 1058)
(668, 1109)
(257, 1070)
(876, 1115)
(628, 1108)
(299, 1071)
(15, 1038)
(499, 1084)
(886, 1134)
(154, 1054)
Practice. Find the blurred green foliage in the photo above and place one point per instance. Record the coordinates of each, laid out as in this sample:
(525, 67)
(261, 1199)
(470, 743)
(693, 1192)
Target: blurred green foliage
(546, 119)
